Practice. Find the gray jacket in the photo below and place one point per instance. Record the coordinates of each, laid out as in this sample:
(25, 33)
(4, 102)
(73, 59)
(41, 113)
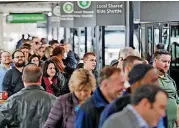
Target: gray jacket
(123, 119)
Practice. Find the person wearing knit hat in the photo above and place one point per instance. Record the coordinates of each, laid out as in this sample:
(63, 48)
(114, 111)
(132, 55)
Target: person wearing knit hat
(139, 74)
(142, 74)
(128, 63)
(114, 63)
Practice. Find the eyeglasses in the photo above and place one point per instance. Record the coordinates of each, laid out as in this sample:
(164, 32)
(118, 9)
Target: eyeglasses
(19, 57)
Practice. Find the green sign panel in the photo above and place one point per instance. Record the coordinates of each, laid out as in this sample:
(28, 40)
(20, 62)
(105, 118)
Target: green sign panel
(25, 18)
(91, 13)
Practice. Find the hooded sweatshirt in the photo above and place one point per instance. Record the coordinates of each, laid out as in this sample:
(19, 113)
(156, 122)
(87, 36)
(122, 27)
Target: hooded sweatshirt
(169, 85)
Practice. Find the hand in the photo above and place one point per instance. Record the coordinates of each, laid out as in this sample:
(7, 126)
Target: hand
(120, 63)
(145, 62)
(51, 82)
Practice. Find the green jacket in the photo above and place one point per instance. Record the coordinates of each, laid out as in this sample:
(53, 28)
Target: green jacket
(169, 85)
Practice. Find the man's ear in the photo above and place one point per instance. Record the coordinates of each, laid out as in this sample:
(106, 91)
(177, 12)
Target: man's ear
(144, 102)
(40, 80)
(127, 68)
(155, 61)
(104, 83)
(84, 61)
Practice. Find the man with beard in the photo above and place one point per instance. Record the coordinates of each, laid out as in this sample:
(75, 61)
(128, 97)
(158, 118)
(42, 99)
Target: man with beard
(4, 66)
(162, 59)
(12, 82)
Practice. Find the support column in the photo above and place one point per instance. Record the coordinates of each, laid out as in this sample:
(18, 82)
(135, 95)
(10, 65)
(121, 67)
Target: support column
(129, 24)
(79, 41)
(49, 28)
(97, 47)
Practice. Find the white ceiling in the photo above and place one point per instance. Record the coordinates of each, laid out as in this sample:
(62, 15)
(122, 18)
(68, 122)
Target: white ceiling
(25, 7)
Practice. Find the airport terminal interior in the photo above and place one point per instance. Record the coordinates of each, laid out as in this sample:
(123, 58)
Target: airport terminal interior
(101, 29)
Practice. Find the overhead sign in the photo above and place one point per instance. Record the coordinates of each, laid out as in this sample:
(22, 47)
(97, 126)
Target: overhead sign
(110, 13)
(66, 17)
(25, 17)
(41, 24)
(55, 18)
(154, 11)
(91, 13)
(84, 13)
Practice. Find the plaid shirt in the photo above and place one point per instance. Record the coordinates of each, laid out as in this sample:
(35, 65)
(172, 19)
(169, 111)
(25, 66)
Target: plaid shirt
(141, 122)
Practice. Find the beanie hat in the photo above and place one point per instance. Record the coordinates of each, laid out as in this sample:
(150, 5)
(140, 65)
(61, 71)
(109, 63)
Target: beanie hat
(113, 62)
(160, 46)
(138, 72)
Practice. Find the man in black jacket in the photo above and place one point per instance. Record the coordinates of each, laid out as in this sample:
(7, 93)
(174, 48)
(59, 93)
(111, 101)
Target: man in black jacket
(12, 81)
(29, 108)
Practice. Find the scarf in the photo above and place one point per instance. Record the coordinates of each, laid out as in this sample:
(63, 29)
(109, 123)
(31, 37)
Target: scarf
(48, 85)
(59, 63)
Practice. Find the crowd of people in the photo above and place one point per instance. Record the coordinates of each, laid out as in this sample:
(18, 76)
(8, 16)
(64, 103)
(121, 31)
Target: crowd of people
(49, 86)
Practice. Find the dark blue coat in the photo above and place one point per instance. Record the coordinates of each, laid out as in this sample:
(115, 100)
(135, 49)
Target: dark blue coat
(89, 113)
(70, 61)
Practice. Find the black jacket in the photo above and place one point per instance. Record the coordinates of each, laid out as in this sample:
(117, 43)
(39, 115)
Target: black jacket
(12, 82)
(70, 61)
(29, 108)
(61, 87)
(89, 112)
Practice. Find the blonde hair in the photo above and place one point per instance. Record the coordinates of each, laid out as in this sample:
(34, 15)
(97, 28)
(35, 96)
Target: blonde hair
(81, 78)
(125, 52)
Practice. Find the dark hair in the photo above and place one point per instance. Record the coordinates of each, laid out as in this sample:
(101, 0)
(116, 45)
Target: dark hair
(24, 47)
(158, 53)
(88, 54)
(18, 50)
(108, 71)
(147, 91)
(44, 41)
(79, 65)
(58, 51)
(62, 41)
(52, 42)
(160, 46)
(33, 56)
(130, 60)
(27, 46)
(31, 73)
(138, 72)
(45, 67)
